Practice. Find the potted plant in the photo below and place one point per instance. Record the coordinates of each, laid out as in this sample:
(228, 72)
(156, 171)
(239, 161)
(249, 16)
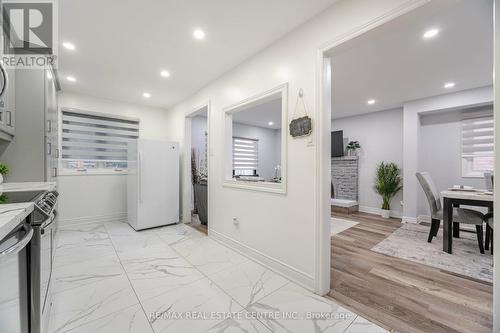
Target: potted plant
(4, 170)
(3, 198)
(387, 184)
(352, 148)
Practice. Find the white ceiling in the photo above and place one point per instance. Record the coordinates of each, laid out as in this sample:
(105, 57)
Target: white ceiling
(261, 114)
(394, 64)
(121, 45)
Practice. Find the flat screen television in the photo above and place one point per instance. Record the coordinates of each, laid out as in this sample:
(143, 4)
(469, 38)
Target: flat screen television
(337, 143)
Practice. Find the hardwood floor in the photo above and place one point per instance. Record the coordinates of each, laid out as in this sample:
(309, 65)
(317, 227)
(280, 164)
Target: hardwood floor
(401, 295)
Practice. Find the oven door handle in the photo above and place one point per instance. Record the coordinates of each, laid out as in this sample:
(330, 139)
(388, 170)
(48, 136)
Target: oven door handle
(16, 248)
(5, 79)
(48, 223)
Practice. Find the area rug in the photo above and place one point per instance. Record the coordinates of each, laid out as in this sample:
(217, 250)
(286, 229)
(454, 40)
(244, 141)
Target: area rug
(339, 225)
(410, 242)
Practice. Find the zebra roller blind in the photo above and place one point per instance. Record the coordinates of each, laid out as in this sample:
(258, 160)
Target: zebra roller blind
(477, 141)
(91, 137)
(245, 156)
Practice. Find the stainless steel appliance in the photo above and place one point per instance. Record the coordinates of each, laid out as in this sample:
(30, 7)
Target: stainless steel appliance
(14, 285)
(41, 253)
(4, 82)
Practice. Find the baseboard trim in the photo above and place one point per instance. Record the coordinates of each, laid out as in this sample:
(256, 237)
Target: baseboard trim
(409, 219)
(423, 219)
(119, 217)
(377, 211)
(277, 266)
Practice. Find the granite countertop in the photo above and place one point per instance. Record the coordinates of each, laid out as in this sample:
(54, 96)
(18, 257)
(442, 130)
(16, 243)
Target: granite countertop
(12, 214)
(27, 186)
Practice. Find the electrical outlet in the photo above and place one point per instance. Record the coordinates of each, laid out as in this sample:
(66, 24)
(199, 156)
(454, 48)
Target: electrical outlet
(236, 222)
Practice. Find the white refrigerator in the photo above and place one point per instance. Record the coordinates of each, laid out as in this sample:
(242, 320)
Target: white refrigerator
(153, 184)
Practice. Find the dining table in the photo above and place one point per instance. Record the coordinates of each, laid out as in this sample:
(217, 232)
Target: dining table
(455, 198)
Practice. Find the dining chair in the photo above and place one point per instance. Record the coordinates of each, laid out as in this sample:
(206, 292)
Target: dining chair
(488, 218)
(460, 215)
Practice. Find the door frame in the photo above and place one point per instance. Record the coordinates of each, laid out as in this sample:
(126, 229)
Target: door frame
(188, 188)
(323, 171)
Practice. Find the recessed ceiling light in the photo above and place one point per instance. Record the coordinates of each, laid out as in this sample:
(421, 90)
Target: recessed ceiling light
(431, 33)
(71, 78)
(165, 73)
(199, 34)
(270, 123)
(146, 95)
(69, 46)
(370, 102)
(449, 85)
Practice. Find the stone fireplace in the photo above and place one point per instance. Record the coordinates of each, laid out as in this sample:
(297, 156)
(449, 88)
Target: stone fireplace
(345, 176)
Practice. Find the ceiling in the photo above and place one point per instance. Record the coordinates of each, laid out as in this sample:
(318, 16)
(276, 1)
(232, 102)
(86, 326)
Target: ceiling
(393, 64)
(122, 45)
(261, 114)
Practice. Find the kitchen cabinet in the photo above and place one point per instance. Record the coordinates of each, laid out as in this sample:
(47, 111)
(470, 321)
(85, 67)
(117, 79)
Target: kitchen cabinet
(51, 126)
(8, 107)
(32, 154)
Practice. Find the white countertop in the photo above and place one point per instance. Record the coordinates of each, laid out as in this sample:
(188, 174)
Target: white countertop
(12, 214)
(27, 186)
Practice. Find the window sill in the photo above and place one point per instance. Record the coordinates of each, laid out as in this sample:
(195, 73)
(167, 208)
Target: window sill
(474, 174)
(271, 187)
(93, 173)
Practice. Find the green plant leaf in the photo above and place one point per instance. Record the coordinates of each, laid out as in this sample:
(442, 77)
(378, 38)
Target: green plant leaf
(387, 182)
(4, 169)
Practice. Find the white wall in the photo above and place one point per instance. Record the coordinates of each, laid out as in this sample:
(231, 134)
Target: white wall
(269, 146)
(278, 230)
(413, 111)
(440, 153)
(380, 135)
(198, 130)
(86, 198)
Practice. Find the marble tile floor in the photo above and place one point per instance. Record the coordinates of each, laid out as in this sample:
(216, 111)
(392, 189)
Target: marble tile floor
(109, 278)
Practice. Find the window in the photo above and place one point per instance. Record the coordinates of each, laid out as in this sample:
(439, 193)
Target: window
(245, 157)
(255, 142)
(96, 142)
(477, 143)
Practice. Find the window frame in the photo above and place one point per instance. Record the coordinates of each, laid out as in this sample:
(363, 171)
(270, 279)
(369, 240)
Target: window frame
(468, 161)
(63, 171)
(227, 178)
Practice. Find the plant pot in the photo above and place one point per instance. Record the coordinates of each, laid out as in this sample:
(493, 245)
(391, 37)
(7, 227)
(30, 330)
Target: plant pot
(1, 178)
(385, 213)
(201, 198)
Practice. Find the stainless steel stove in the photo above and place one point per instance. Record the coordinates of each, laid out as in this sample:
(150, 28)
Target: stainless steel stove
(41, 252)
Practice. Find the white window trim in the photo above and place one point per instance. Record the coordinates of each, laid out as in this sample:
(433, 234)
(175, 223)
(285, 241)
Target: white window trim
(467, 171)
(92, 172)
(87, 172)
(227, 179)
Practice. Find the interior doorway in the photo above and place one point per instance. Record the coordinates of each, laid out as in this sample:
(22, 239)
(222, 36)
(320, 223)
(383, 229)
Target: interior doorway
(399, 93)
(196, 162)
